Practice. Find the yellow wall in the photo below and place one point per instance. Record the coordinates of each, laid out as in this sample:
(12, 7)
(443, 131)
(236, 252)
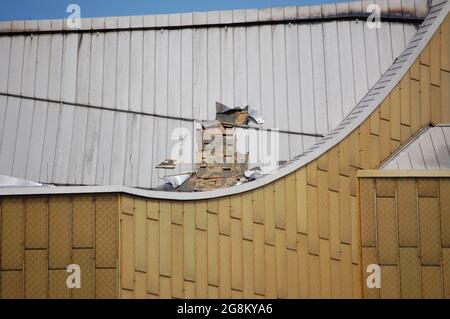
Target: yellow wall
(41, 235)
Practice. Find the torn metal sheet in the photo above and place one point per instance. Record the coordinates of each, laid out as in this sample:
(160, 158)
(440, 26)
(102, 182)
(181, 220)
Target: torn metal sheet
(166, 164)
(177, 180)
(233, 116)
(8, 181)
(254, 115)
(210, 124)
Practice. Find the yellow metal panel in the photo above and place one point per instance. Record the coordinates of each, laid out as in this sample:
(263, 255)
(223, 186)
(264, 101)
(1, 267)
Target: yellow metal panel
(269, 214)
(224, 216)
(57, 287)
(189, 290)
(435, 57)
(425, 56)
(409, 273)
(385, 187)
(445, 97)
(36, 274)
(291, 212)
(336, 279)
(140, 230)
(225, 267)
(344, 157)
(416, 122)
(302, 201)
(385, 109)
(213, 292)
(345, 210)
(165, 239)
(271, 269)
(280, 248)
(333, 169)
(59, 232)
(395, 145)
(335, 232)
(385, 139)
(258, 205)
(354, 158)
(323, 204)
(236, 254)
(436, 104)
(12, 233)
(390, 282)
(201, 220)
(212, 206)
(127, 294)
(106, 283)
(177, 212)
(280, 204)
(346, 271)
(395, 113)
(429, 231)
(428, 187)
(425, 98)
(445, 45)
(313, 220)
(201, 263)
(177, 261)
(36, 222)
(405, 133)
(446, 271)
(236, 206)
(356, 230)
(292, 274)
(303, 266)
(357, 281)
(322, 162)
(415, 70)
(11, 284)
(247, 216)
(387, 231)
(353, 181)
(314, 276)
(407, 211)
(213, 249)
(368, 222)
(325, 269)
(83, 222)
(311, 173)
(374, 122)
(249, 269)
(127, 204)
(405, 99)
(165, 287)
(106, 234)
(375, 150)
(369, 256)
(260, 270)
(153, 256)
(189, 241)
(364, 144)
(431, 282)
(85, 259)
(127, 251)
(153, 209)
(445, 211)
(140, 291)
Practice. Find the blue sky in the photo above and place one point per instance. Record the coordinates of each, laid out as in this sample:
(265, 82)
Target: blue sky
(46, 9)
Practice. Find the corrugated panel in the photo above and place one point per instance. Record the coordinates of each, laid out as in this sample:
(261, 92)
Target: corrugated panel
(12, 233)
(36, 274)
(106, 233)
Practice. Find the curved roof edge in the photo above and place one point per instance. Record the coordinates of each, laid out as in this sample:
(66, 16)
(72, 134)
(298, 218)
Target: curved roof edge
(361, 112)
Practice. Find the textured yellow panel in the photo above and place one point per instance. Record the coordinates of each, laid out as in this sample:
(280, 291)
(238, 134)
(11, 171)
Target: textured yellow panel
(385, 187)
(336, 279)
(346, 271)
(323, 204)
(407, 211)
(36, 274)
(213, 292)
(345, 210)
(395, 113)
(153, 256)
(415, 106)
(59, 232)
(269, 214)
(247, 216)
(140, 231)
(435, 52)
(106, 233)
(429, 231)
(177, 212)
(333, 169)
(85, 259)
(12, 233)
(445, 44)
(292, 274)
(177, 261)
(435, 104)
(344, 157)
(374, 122)
(314, 276)
(409, 273)
(385, 138)
(225, 267)
(390, 282)
(236, 294)
(364, 144)
(201, 220)
(354, 158)
(415, 70)
(291, 212)
(405, 133)
(387, 231)
(127, 251)
(248, 269)
(258, 205)
(236, 254)
(224, 216)
(83, 222)
(201, 263)
(303, 266)
(375, 150)
(106, 283)
(385, 109)
(445, 97)
(153, 209)
(189, 290)
(313, 220)
(335, 232)
(140, 290)
(212, 206)
(280, 248)
(280, 204)
(57, 287)
(425, 56)
(213, 249)
(302, 201)
(165, 288)
(165, 238)
(260, 271)
(236, 206)
(446, 271)
(36, 222)
(428, 187)
(425, 98)
(322, 162)
(356, 230)
(127, 294)
(189, 241)
(311, 173)
(431, 282)
(127, 204)
(353, 181)
(445, 211)
(357, 281)
(369, 256)
(325, 269)
(395, 145)
(11, 284)
(271, 268)
(405, 100)
(368, 222)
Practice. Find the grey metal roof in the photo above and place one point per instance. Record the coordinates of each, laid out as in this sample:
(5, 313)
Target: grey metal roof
(429, 150)
(97, 108)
